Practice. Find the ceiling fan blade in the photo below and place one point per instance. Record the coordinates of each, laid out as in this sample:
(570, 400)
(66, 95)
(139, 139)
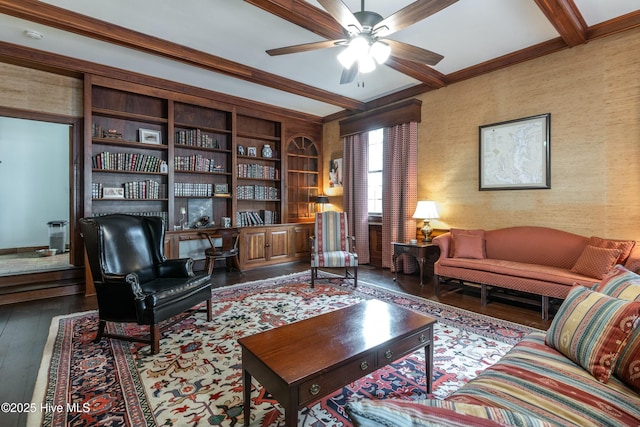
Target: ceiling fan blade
(341, 13)
(416, 11)
(303, 47)
(348, 74)
(413, 53)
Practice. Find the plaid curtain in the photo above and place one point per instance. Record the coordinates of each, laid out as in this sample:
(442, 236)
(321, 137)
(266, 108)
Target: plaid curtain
(400, 191)
(355, 194)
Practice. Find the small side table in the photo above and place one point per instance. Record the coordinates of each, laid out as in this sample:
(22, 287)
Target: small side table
(420, 251)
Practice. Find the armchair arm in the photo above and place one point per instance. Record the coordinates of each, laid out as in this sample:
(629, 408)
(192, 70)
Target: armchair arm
(182, 267)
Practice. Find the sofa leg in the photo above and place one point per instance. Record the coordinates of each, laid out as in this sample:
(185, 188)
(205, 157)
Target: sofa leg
(545, 307)
(483, 294)
(436, 283)
(154, 338)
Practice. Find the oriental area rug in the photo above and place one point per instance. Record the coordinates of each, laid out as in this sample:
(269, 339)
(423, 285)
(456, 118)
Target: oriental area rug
(196, 379)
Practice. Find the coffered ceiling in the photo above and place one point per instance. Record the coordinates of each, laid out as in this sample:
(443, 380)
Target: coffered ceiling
(220, 44)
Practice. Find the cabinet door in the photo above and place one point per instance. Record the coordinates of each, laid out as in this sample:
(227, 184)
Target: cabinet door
(254, 246)
(278, 245)
(300, 237)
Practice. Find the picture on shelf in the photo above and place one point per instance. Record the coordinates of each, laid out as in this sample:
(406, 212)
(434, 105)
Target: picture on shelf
(252, 152)
(335, 173)
(113, 193)
(226, 222)
(221, 189)
(199, 209)
(241, 150)
(148, 136)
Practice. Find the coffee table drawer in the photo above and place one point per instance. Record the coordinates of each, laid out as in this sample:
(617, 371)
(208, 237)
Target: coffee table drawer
(328, 382)
(403, 347)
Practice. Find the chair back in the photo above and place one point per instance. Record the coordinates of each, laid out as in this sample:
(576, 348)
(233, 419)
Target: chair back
(120, 244)
(331, 232)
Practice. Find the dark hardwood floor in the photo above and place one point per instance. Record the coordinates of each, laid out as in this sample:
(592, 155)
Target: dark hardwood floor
(24, 327)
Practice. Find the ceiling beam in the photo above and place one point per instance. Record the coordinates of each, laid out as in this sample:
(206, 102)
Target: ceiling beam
(76, 23)
(566, 19)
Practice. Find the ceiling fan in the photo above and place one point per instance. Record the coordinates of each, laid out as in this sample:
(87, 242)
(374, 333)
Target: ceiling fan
(366, 42)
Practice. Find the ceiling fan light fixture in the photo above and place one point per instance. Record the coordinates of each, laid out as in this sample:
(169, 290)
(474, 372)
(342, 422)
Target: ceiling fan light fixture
(346, 57)
(380, 52)
(366, 64)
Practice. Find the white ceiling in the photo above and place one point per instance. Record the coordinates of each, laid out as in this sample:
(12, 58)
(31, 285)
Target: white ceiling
(467, 33)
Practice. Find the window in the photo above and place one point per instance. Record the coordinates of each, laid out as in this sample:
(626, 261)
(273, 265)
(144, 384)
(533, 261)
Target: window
(375, 172)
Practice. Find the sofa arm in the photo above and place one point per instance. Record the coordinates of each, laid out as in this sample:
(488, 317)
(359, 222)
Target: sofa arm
(443, 241)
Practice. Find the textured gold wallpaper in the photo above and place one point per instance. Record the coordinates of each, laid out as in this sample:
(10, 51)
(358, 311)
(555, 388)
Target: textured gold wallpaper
(593, 95)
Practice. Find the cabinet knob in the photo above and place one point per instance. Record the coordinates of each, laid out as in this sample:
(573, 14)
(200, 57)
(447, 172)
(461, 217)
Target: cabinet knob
(364, 365)
(388, 354)
(314, 389)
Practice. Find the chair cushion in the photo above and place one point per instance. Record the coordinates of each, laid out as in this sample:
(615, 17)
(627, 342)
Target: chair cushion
(331, 232)
(168, 290)
(334, 259)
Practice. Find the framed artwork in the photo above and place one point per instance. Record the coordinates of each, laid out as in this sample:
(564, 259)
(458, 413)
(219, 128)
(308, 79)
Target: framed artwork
(335, 173)
(149, 136)
(113, 193)
(252, 152)
(221, 188)
(198, 208)
(516, 154)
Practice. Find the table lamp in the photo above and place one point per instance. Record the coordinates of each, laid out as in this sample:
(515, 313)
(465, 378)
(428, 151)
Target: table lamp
(322, 200)
(183, 212)
(426, 210)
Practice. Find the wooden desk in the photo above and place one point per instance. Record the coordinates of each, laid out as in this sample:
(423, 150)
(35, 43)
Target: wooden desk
(301, 362)
(420, 251)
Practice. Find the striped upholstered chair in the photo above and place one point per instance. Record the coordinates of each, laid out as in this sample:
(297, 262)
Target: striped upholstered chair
(332, 247)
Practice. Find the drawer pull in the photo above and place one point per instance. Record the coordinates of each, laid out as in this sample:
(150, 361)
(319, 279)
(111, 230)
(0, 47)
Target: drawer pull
(364, 365)
(422, 338)
(388, 354)
(314, 389)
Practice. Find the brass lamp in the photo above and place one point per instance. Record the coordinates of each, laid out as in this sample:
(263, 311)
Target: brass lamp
(426, 210)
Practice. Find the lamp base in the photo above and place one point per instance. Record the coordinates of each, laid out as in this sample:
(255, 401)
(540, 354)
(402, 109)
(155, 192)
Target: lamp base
(426, 231)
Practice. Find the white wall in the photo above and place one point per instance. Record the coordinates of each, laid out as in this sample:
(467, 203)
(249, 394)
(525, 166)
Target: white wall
(34, 180)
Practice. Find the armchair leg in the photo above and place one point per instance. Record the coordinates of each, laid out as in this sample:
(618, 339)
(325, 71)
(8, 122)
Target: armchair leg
(154, 335)
(209, 310)
(101, 326)
(355, 276)
(314, 272)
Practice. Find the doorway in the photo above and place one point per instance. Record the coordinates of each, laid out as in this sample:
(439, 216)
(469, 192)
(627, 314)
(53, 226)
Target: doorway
(35, 193)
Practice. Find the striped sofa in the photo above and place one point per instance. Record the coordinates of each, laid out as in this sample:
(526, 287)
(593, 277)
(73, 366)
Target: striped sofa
(538, 260)
(583, 371)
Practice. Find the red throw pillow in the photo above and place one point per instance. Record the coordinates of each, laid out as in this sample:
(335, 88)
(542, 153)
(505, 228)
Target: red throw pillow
(469, 246)
(596, 262)
(625, 246)
(457, 232)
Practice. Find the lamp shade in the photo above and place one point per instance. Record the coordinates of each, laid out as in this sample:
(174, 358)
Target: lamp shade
(426, 209)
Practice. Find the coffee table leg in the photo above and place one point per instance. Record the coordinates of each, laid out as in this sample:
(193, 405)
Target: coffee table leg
(246, 388)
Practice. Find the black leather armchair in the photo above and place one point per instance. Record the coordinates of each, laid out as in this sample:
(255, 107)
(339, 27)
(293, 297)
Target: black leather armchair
(134, 281)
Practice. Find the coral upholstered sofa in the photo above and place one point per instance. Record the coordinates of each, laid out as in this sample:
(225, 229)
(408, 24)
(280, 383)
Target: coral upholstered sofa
(537, 260)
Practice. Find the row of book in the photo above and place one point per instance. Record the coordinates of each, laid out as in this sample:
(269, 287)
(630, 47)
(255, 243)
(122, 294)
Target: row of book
(196, 138)
(190, 189)
(257, 192)
(246, 170)
(136, 162)
(253, 218)
(148, 189)
(196, 163)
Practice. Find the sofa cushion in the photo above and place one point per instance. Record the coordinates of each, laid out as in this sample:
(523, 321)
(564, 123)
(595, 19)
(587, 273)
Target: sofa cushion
(457, 232)
(433, 413)
(620, 283)
(625, 246)
(591, 329)
(596, 262)
(469, 246)
(624, 284)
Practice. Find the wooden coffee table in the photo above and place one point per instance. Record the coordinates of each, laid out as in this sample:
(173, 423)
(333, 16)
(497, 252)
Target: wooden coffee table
(301, 362)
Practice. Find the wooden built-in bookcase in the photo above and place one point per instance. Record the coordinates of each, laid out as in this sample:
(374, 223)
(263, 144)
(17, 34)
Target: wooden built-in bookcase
(152, 151)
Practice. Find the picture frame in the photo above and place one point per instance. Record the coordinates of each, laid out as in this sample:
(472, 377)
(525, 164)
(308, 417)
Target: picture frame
(113, 193)
(149, 136)
(198, 208)
(226, 222)
(252, 152)
(515, 154)
(221, 188)
(335, 173)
